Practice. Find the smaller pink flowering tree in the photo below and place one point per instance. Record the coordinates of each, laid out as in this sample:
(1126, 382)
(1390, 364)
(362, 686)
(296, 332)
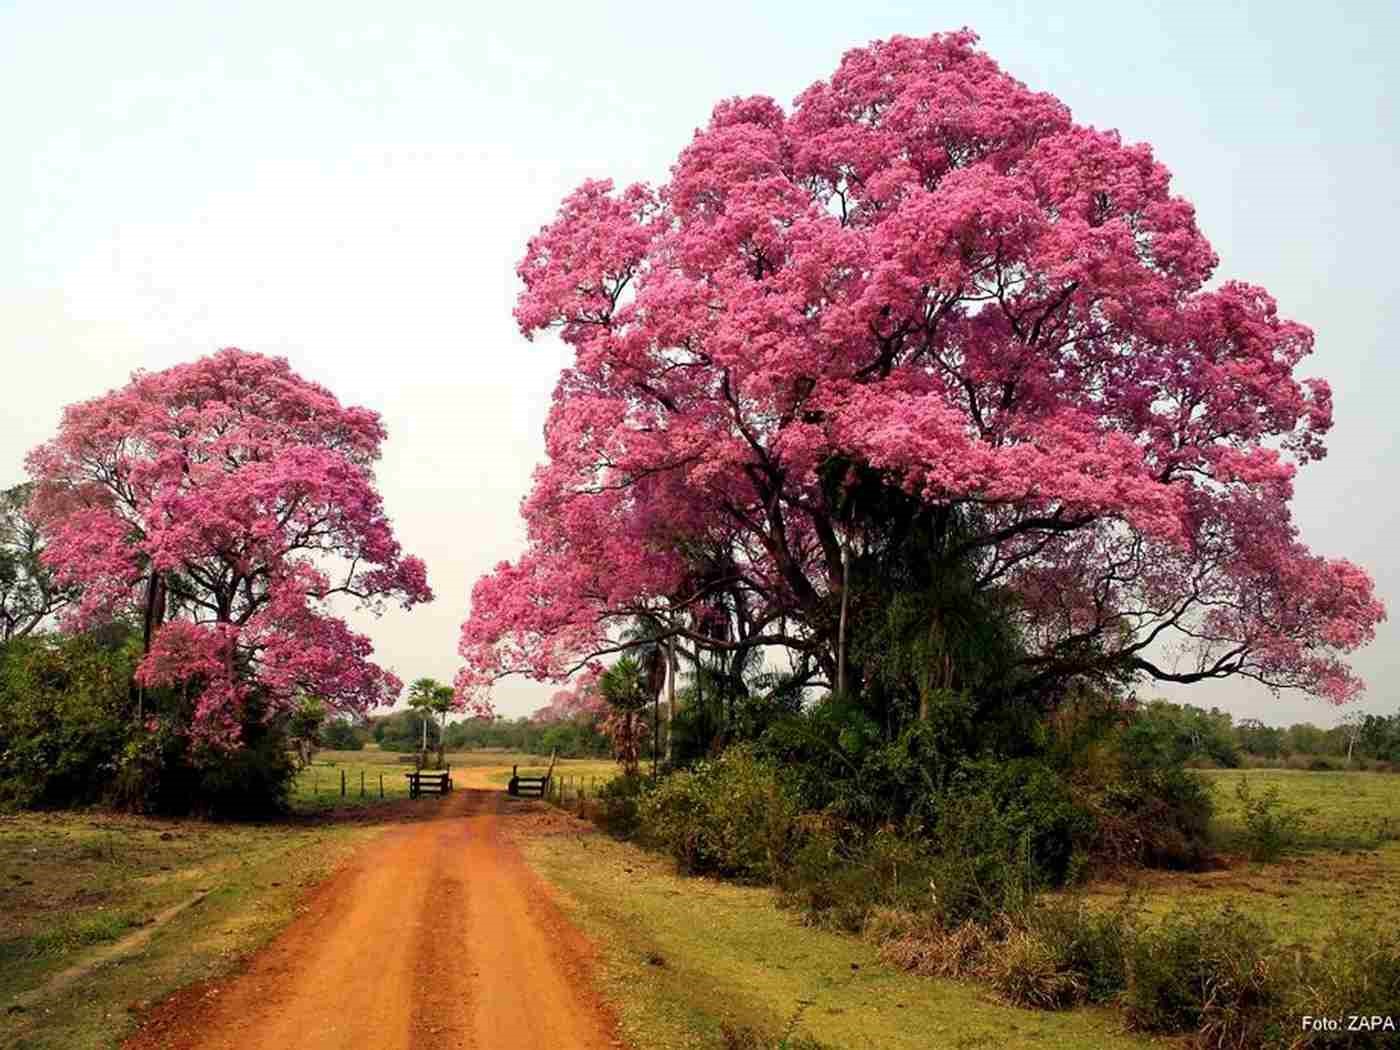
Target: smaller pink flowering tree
(226, 505)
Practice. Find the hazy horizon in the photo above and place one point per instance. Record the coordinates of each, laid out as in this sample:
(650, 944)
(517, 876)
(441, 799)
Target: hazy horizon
(353, 194)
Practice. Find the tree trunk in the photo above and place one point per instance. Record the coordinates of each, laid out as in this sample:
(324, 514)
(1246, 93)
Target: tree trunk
(671, 700)
(841, 629)
(155, 609)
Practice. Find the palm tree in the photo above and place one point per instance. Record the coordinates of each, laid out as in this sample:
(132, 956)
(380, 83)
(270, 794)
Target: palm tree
(625, 686)
(428, 696)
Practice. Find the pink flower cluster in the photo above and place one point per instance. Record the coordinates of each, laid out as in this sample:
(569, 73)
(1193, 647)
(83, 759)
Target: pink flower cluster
(249, 493)
(927, 270)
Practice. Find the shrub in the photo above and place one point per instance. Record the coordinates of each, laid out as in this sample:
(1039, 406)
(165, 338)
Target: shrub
(1271, 828)
(731, 816)
(842, 763)
(838, 875)
(1210, 973)
(70, 735)
(338, 734)
(1357, 970)
(1027, 970)
(918, 942)
(617, 805)
(66, 712)
(1160, 818)
(1093, 944)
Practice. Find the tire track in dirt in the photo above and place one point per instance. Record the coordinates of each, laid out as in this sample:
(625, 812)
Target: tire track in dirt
(436, 934)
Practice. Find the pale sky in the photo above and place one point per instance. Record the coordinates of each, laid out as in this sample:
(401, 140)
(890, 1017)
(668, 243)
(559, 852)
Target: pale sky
(351, 185)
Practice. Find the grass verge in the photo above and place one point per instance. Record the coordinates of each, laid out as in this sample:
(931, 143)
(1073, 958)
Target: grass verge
(73, 884)
(694, 963)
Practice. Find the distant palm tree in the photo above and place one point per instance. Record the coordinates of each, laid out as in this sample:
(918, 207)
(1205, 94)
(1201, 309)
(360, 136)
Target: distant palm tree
(428, 697)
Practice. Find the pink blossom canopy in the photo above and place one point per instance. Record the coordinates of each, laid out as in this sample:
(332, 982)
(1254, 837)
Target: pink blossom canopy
(926, 270)
(248, 493)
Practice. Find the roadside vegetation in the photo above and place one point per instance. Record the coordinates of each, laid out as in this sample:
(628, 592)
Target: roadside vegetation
(1202, 903)
(699, 962)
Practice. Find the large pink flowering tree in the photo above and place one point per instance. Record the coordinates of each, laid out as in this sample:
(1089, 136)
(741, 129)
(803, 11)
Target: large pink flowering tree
(224, 504)
(923, 302)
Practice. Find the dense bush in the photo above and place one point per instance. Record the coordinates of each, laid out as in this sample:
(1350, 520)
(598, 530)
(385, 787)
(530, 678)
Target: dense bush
(732, 816)
(1088, 786)
(1206, 972)
(839, 875)
(617, 805)
(1094, 944)
(66, 713)
(338, 734)
(73, 731)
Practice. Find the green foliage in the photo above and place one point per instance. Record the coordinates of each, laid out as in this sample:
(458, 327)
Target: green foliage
(252, 782)
(1164, 734)
(70, 735)
(997, 834)
(624, 685)
(403, 731)
(1211, 973)
(1149, 809)
(65, 716)
(839, 876)
(304, 729)
(340, 734)
(1271, 827)
(618, 800)
(574, 738)
(1094, 944)
(28, 593)
(842, 762)
(733, 816)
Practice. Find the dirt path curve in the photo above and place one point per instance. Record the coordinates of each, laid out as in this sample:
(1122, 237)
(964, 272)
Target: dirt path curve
(434, 935)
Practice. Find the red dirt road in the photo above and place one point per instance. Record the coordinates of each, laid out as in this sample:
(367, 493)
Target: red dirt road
(434, 935)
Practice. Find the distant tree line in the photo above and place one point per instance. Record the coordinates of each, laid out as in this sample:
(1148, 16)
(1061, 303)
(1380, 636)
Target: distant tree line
(1213, 737)
(404, 731)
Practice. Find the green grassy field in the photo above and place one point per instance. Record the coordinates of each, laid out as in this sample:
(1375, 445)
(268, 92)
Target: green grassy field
(1350, 810)
(318, 787)
(1344, 872)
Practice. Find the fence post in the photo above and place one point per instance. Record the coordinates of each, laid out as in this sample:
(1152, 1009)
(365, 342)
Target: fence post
(381, 785)
(342, 783)
(362, 783)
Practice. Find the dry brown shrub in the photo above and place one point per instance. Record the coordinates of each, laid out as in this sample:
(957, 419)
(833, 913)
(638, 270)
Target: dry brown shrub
(918, 943)
(1026, 971)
